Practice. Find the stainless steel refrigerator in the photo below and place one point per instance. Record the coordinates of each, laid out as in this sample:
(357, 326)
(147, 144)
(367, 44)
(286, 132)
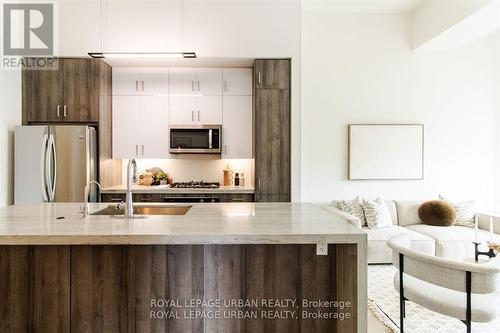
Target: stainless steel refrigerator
(54, 163)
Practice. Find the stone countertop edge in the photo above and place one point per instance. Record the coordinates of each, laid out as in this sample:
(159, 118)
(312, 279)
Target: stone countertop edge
(218, 223)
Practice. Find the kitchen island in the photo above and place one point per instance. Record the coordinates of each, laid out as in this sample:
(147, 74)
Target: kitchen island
(237, 267)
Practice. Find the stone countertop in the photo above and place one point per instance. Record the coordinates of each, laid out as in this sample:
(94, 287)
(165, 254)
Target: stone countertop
(224, 223)
(167, 189)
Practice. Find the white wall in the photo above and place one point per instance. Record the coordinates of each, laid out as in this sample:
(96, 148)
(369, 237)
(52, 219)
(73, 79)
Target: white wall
(434, 17)
(10, 115)
(359, 68)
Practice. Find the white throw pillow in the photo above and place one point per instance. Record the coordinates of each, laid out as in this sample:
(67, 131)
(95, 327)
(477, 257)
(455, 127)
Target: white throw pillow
(353, 207)
(465, 212)
(376, 213)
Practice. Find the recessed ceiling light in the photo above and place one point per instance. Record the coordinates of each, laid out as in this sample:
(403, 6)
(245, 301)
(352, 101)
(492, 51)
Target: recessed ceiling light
(187, 55)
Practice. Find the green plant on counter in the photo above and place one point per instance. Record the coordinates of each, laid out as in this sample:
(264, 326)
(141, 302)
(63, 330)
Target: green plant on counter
(161, 176)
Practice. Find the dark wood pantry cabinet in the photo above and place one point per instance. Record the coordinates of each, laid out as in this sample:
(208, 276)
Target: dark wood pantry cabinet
(69, 94)
(272, 130)
(272, 74)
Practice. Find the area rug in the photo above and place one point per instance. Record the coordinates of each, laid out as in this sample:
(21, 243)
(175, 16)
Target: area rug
(383, 301)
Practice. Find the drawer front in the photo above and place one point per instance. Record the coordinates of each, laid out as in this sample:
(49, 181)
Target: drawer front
(192, 197)
(236, 197)
(180, 197)
(113, 197)
(146, 197)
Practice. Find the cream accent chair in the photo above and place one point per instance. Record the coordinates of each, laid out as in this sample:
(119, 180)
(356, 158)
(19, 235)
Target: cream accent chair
(465, 290)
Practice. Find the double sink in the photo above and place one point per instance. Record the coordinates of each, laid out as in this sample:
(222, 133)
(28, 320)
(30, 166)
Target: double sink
(144, 210)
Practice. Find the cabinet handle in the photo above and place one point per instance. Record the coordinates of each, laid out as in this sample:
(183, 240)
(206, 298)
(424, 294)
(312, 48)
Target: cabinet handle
(136, 150)
(142, 85)
(198, 85)
(192, 85)
(259, 78)
(136, 85)
(225, 149)
(198, 115)
(142, 150)
(192, 115)
(58, 111)
(65, 112)
(237, 199)
(225, 85)
(258, 184)
(116, 200)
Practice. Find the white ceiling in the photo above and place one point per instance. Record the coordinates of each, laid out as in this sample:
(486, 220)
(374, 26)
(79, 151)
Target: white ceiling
(361, 6)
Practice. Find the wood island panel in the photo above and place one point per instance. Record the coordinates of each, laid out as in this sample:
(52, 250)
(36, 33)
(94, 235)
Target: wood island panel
(109, 288)
(34, 289)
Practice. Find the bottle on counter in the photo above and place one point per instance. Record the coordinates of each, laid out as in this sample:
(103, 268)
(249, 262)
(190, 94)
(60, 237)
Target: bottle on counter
(236, 179)
(228, 177)
(242, 179)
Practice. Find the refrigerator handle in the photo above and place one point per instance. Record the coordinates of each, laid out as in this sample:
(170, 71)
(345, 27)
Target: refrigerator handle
(43, 162)
(53, 180)
(52, 177)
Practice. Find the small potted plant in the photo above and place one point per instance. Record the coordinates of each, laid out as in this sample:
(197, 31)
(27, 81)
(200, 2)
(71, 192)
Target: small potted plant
(162, 178)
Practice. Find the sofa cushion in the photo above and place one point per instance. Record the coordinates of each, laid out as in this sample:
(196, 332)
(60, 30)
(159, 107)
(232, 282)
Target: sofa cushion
(377, 214)
(379, 252)
(437, 212)
(391, 206)
(453, 242)
(353, 207)
(465, 212)
(408, 212)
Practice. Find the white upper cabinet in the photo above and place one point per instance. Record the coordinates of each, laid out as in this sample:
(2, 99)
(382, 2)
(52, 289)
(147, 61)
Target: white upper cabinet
(182, 81)
(237, 81)
(126, 126)
(79, 27)
(140, 127)
(154, 127)
(154, 81)
(142, 25)
(140, 81)
(126, 81)
(237, 127)
(182, 110)
(195, 96)
(209, 110)
(208, 81)
(199, 81)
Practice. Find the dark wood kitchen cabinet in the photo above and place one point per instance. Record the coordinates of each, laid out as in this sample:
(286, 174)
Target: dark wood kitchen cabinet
(169, 197)
(272, 74)
(70, 94)
(272, 133)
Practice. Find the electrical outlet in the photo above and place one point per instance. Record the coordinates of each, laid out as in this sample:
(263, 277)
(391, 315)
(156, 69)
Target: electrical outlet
(322, 249)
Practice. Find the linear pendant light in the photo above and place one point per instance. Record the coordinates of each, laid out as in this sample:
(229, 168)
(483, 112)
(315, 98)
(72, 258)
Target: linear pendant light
(186, 55)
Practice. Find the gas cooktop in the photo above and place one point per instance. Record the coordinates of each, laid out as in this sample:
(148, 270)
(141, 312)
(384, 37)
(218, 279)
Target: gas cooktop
(193, 184)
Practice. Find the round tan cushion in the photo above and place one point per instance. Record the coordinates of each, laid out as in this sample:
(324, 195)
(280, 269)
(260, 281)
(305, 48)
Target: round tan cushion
(437, 212)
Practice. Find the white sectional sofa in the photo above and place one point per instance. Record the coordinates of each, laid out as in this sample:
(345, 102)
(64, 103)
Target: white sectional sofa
(450, 242)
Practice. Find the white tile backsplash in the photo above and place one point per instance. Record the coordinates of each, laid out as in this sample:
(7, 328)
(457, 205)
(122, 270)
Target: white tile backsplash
(197, 167)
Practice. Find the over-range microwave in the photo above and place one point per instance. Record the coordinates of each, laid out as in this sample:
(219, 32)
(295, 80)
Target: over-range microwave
(197, 139)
